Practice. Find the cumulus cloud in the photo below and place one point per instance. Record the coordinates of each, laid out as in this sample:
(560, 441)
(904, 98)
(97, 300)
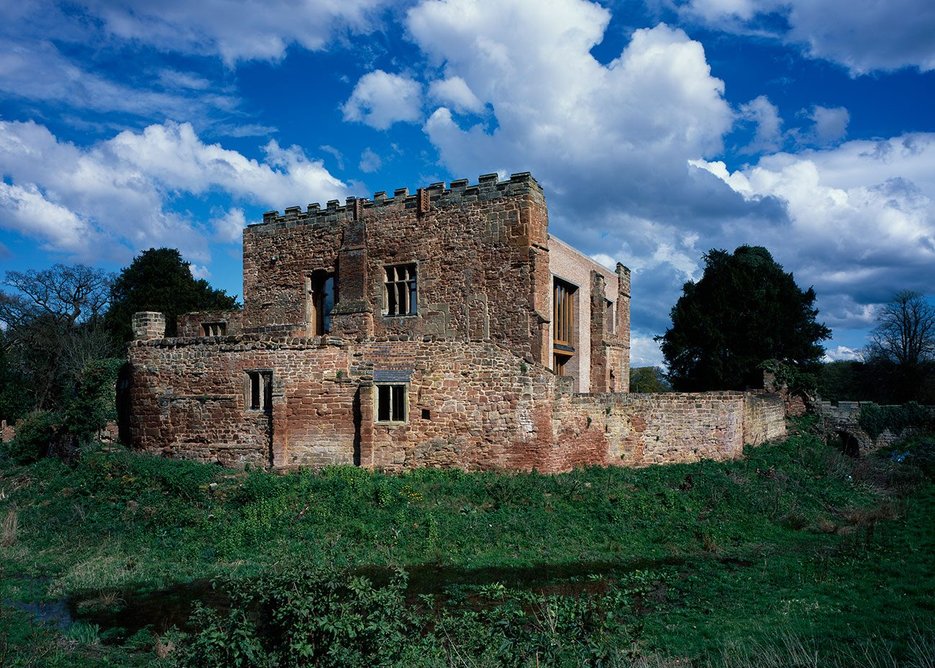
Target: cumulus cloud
(229, 227)
(115, 196)
(455, 93)
(380, 99)
(843, 354)
(765, 115)
(830, 124)
(235, 31)
(861, 219)
(862, 35)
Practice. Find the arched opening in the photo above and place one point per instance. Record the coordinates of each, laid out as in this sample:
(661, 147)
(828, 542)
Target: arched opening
(848, 444)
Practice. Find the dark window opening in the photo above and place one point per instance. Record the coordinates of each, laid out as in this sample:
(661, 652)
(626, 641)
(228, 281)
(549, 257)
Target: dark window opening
(426, 415)
(321, 296)
(214, 328)
(259, 390)
(399, 290)
(391, 403)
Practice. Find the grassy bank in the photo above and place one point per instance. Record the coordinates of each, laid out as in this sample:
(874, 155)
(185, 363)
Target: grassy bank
(794, 545)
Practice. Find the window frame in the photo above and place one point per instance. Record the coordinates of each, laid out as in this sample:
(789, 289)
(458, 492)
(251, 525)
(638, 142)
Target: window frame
(258, 390)
(219, 325)
(395, 417)
(407, 287)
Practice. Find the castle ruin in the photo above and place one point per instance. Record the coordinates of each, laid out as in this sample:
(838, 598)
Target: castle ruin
(441, 328)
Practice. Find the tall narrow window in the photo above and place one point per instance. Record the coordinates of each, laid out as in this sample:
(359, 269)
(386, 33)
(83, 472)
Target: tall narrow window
(391, 403)
(399, 290)
(563, 313)
(320, 301)
(563, 325)
(258, 388)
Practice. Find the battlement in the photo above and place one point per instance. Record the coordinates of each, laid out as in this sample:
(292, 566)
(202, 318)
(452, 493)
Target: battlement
(489, 186)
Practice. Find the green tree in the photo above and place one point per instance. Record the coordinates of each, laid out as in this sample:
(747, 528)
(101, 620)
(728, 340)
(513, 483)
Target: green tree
(52, 327)
(648, 379)
(901, 352)
(160, 280)
(744, 310)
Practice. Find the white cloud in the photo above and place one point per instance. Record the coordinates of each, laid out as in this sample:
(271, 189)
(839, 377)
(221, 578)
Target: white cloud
(768, 135)
(369, 161)
(861, 219)
(115, 196)
(380, 99)
(830, 124)
(229, 227)
(843, 354)
(36, 70)
(455, 93)
(862, 35)
(26, 210)
(236, 31)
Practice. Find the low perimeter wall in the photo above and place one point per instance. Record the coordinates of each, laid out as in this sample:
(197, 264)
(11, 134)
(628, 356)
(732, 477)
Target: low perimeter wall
(666, 428)
(470, 405)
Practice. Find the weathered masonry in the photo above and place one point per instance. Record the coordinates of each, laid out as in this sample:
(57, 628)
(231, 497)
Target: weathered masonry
(444, 328)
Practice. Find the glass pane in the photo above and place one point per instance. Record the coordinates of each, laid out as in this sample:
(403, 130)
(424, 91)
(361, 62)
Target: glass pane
(383, 403)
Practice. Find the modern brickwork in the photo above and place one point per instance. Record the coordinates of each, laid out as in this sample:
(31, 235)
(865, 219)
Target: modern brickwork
(444, 328)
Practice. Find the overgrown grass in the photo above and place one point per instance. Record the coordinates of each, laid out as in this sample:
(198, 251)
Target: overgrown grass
(795, 541)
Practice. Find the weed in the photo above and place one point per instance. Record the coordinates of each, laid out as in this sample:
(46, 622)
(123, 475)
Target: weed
(9, 528)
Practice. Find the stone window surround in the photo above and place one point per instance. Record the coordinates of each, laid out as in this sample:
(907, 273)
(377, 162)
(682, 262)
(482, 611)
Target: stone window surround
(379, 396)
(413, 294)
(258, 390)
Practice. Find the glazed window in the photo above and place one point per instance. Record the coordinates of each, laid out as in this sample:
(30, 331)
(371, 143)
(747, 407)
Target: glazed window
(563, 314)
(214, 328)
(399, 290)
(392, 403)
(258, 390)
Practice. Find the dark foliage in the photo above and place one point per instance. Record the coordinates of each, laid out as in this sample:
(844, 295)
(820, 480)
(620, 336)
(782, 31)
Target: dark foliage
(878, 380)
(160, 280)
(648, 379)
(743, 311)
(53, 328)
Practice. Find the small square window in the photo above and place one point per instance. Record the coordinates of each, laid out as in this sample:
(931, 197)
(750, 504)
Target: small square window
(258, 391)
(392, 403)
(399, 290)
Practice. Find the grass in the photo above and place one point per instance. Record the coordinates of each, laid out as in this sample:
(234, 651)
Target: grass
(795, 548)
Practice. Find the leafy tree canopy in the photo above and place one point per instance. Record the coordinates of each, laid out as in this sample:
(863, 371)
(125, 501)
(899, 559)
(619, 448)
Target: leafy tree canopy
(160, 280)
(744, 310)
(51, 327)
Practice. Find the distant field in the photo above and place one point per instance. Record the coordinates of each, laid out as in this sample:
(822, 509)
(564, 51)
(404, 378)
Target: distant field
(796, 555)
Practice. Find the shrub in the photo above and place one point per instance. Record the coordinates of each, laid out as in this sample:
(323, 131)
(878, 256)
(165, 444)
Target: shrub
(34, 435)
(876, 419)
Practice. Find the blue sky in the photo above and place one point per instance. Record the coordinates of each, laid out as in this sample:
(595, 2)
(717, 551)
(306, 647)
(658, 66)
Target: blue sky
(658, 129)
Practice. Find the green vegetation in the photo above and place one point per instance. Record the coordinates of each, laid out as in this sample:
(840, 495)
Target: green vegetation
(794, 550)
(160, 280)
(769, 317)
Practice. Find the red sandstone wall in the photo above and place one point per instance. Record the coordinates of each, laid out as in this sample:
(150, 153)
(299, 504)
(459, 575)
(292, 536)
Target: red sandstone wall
(471, 405)
(475, 249)
(190, 324)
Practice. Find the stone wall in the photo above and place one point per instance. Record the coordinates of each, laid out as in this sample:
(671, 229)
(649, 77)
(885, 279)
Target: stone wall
(192, 324)
(665, 428)
(475, 248)
(471, 405)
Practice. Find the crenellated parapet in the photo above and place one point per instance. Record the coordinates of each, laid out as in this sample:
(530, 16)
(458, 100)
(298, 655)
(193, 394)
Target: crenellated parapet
(458, 192)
